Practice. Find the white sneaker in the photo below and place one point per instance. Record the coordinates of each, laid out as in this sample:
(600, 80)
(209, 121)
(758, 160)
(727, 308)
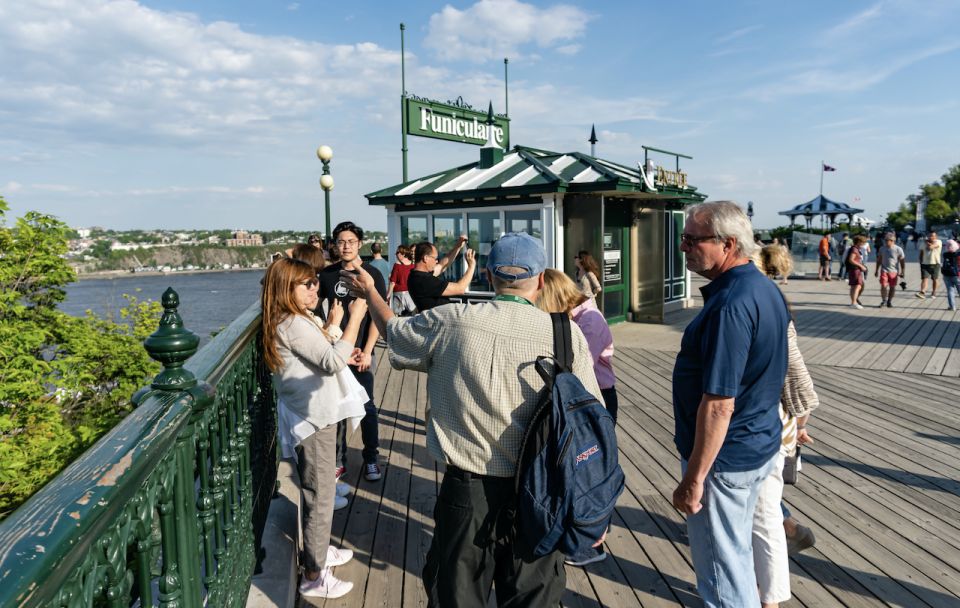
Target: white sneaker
(343, 489)
(326, 585)
(339, 502)
(338, 557)
(857, 306)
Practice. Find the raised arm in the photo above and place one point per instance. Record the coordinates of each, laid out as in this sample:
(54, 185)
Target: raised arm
(456, 288)
(450, 257)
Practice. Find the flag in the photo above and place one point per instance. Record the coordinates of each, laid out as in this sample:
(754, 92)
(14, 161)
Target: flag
(827, 167)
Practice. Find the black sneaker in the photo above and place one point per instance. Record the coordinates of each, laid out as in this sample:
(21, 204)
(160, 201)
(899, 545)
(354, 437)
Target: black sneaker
(889, 303)
(371, 471)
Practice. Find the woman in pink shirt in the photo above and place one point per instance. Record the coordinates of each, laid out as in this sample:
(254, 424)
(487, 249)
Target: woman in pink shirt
(561, 294)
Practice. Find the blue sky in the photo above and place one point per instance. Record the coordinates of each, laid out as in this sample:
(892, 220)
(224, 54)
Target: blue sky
(183, 114)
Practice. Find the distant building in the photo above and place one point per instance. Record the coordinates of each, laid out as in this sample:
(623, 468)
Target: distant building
(83, 233)
(242, 238)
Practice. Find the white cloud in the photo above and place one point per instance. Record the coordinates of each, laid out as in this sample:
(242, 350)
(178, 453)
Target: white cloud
(493, 29)
(12, 186)
(848, 26)
(293, 6)
(827, 79)
(120, 72)
(738, 33)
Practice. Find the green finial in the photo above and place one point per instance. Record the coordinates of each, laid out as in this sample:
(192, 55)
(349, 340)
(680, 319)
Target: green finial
(172, 345)
(490, 120)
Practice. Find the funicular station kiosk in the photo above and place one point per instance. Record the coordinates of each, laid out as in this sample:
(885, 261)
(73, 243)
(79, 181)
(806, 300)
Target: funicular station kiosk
(629, 219)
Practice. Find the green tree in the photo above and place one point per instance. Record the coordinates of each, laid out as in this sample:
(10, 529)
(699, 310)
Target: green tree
(64, 381)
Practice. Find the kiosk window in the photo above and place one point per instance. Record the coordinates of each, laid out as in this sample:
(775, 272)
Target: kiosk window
(413, 229)
(483, 230)
(446, 230)
(525, 221)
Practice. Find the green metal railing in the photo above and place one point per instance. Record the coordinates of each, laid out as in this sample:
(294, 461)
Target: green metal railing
(167, 508)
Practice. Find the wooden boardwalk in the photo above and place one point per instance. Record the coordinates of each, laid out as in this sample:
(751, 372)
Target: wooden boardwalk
(879, 487)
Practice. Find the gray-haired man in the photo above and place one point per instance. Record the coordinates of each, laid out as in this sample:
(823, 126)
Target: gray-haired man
(483, 387)
(726, 395)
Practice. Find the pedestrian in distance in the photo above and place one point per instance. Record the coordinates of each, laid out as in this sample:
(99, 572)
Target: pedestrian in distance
(726, 394)
(377, 261)
(856, 270)
(348, 239)
(398, 292)
(482, 384)
(314, 394)
(931, 258)
(951, 272)
(842, 247)
(587, 272)
(824, 250)
(891, 265)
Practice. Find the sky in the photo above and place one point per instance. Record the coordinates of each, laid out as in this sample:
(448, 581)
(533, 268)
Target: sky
(207, 114)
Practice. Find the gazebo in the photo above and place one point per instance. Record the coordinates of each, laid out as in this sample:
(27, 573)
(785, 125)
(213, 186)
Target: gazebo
(824, 207)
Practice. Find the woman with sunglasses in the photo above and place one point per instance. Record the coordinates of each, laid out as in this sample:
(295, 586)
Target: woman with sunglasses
(315, 391)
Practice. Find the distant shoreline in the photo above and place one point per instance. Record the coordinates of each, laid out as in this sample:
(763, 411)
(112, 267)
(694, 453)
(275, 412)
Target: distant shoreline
(126, 274)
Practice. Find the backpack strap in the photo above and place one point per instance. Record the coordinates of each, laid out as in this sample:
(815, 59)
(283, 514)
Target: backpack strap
(562, 341)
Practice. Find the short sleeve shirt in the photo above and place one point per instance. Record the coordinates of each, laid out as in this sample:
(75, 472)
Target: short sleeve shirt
(427, 290)
(382, 265)
(399, 276)
(332, 287)
(736, 347)
(890, 258)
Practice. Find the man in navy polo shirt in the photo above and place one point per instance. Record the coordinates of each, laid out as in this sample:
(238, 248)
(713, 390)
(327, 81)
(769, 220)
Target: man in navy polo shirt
(726, 394)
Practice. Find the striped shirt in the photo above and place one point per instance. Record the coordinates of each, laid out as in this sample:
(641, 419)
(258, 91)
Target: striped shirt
(481, 377)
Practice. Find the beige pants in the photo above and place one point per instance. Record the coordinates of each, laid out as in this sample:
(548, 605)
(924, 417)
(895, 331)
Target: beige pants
(316, 457)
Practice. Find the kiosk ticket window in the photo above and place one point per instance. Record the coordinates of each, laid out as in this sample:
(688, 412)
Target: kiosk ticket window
(483, 230)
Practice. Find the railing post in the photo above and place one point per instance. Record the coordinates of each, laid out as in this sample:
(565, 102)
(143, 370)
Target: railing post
(172, 345)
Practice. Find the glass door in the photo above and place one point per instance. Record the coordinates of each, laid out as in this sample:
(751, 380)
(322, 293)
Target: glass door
(616, 262)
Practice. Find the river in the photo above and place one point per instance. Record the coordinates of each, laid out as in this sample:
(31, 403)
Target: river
(209, 301)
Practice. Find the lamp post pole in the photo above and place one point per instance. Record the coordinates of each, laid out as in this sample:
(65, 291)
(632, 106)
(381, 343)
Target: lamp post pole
(325, 154)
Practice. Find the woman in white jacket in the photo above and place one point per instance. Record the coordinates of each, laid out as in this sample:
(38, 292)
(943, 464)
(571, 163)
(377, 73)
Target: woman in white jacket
(308, 361)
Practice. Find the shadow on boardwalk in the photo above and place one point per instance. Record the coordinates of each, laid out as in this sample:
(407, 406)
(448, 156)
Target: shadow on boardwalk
(878, 486)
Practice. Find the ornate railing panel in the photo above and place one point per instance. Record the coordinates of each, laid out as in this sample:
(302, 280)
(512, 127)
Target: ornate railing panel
(166, 509)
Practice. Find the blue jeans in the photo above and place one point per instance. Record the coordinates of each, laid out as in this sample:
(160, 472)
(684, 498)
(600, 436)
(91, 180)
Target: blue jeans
(951, 284)
(720, 537)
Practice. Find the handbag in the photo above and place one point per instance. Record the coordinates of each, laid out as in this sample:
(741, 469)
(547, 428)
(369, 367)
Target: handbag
(791, 468)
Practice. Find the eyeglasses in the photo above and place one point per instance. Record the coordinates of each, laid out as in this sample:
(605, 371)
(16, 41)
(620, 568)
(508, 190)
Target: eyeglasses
(313, 241)
(690, 240)
(310, 283)
(348, 243)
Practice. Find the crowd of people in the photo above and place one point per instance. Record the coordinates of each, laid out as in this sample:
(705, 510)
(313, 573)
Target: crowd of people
(742, 399)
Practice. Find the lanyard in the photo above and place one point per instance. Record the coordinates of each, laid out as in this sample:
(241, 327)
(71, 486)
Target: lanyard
(510, 298)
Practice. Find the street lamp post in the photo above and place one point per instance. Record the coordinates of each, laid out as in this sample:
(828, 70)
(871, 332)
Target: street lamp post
(750, 211)
(325, 154)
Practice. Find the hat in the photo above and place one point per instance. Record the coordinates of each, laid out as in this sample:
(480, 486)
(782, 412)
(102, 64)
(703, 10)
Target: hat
(520, 250)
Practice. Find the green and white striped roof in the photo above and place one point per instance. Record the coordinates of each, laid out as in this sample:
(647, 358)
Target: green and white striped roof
(528, 171)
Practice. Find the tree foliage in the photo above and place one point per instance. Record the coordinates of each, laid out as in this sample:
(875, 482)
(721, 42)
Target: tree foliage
(64, 381)
(942, 200)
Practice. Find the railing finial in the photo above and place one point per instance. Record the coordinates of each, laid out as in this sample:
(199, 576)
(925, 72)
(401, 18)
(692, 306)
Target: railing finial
(172, 345)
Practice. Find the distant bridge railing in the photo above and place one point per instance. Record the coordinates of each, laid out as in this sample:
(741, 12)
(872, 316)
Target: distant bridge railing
(168, 507)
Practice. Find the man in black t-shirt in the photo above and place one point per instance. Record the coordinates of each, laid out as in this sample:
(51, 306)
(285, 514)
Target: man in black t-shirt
(348, 239)
(426, 288)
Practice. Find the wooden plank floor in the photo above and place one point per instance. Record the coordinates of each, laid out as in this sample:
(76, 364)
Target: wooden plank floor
(879, 487)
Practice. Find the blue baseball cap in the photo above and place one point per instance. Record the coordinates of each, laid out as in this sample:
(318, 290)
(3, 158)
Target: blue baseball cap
(520, 250)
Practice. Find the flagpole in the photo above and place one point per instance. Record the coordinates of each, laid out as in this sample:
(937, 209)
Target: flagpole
(821, 178)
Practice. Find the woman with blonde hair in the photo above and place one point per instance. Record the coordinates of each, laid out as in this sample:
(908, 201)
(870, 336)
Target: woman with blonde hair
(561, 294)
(587, 273)
(314, 391)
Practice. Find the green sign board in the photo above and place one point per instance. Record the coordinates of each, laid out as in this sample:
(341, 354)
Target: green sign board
(460, 123)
